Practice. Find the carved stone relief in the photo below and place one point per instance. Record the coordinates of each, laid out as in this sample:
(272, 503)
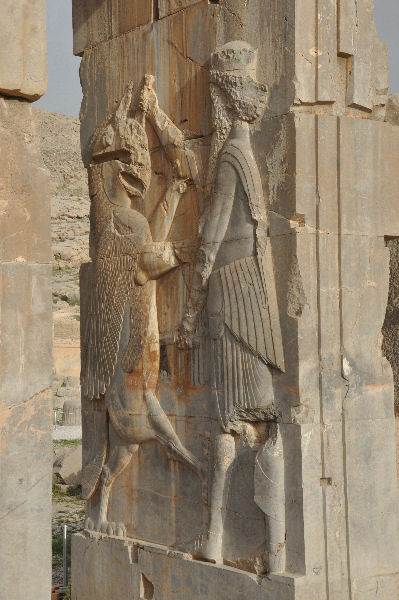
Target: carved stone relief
(234, 275)
(237, 290)
(121, 352)
(232, 287)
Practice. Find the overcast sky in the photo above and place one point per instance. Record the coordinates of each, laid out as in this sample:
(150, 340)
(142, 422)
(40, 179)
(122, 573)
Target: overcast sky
(64, 94)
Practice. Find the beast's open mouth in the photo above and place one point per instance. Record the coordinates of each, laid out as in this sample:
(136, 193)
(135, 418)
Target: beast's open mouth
(132, 184)
(106, 156)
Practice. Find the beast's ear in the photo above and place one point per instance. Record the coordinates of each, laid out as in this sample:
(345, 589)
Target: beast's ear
(102, 145)
(125, 106)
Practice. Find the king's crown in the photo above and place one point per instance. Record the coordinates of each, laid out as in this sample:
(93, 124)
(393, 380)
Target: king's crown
(235, 56)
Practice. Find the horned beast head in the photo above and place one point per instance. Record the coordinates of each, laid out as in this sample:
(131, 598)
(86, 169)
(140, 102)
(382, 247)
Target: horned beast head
(122, 138)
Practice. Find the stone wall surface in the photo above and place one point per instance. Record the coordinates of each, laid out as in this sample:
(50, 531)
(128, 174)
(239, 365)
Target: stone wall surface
(149, 571)
(301, 489)
(26, 361)
(25, 357)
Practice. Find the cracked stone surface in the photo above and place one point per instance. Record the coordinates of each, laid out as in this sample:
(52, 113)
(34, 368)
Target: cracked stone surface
(26, 362)
(326, 150)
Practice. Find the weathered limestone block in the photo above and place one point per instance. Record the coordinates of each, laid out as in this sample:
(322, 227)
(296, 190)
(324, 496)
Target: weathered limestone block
(237, 407)
(26, 274)
(23, 70)
(321, 66)
(130, 570)
(167, 7)
(26, 340)
(95, 21)
(25, 357)
(344, 307)
(369, 67)
(68, 466)
(392, 115)
(26, 221)
(25, 500)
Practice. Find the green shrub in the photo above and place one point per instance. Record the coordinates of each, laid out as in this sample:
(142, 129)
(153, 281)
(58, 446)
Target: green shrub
(67, 442)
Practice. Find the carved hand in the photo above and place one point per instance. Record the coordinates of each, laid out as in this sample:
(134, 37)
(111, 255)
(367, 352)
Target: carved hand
(185, 335)
(183, 338)
(186, 251)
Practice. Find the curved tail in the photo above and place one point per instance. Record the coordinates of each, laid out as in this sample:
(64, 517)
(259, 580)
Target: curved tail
(166, 435)
(159, 428)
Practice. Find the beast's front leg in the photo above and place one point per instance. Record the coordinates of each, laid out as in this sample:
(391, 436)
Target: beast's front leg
(119, 458)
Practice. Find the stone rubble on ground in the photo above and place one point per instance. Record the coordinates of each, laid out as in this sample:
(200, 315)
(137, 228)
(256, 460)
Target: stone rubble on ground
(62, 432)
(67, 465)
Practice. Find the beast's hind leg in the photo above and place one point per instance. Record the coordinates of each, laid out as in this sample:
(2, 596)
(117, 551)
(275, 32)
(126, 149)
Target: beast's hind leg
(119, 457)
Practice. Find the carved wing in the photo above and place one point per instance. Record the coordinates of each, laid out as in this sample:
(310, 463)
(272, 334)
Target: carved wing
(114, 270)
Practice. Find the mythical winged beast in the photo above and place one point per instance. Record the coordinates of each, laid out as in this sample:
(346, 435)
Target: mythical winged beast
(120, 337)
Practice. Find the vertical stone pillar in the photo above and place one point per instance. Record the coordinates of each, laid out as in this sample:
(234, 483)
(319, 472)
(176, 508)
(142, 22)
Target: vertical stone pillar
(327, 166)
(25, 311)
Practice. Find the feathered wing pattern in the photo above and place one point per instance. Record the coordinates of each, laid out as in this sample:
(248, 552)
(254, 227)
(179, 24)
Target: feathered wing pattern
(113, 284)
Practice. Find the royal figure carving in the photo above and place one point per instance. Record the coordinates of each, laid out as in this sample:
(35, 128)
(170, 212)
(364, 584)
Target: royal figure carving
(234, 279)
(233, 285)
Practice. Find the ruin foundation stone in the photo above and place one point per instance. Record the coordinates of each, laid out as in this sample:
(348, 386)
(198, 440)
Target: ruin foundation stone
(26, 313)
(237, 406)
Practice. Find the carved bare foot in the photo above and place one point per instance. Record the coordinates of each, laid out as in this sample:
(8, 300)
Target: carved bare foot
(197, 552)
(112, 528)
(211, 547)
(207, 547)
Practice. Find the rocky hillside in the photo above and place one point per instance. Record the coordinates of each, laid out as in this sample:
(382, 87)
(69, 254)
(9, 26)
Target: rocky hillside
(60, 146)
